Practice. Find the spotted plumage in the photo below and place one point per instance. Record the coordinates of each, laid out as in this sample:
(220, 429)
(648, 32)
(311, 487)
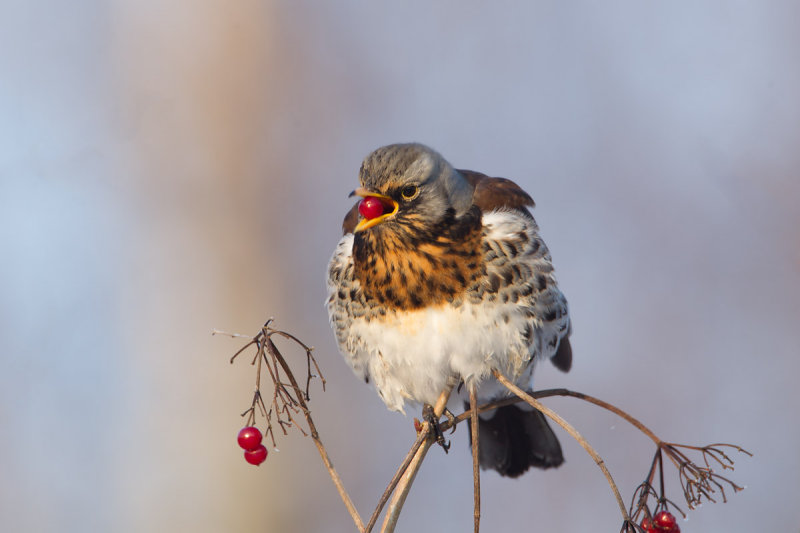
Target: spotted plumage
(453, 281)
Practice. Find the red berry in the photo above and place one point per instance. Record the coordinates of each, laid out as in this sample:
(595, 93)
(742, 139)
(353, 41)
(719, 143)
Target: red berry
(665, 521)
(370, 207)
(256, 456)
(249, 438)
(648, 526)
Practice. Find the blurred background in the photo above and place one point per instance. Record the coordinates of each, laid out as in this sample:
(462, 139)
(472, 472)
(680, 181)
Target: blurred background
(171, 168)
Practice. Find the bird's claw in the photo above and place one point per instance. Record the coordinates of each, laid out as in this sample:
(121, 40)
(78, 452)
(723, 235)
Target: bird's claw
(430, 417)
(450, 418)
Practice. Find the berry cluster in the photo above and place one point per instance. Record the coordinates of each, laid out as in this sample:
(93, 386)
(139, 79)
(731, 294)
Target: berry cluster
(250, 440)
(662, 522)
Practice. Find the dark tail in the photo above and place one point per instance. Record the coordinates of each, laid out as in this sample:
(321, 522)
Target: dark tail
(514, 440)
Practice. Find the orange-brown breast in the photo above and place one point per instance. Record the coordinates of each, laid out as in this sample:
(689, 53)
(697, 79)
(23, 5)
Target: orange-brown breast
(405, 265)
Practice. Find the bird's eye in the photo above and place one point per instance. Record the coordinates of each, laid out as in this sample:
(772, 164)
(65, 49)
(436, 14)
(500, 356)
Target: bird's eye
(409, 191)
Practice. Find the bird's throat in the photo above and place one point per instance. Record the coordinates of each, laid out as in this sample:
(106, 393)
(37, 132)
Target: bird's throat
(410, 265)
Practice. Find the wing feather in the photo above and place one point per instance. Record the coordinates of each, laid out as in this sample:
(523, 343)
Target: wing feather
(519, 271)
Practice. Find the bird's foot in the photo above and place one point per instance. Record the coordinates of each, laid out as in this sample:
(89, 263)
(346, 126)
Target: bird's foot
(450, 418)
(430, 417)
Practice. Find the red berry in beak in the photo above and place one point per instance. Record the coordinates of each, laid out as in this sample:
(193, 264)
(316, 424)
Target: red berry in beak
(370, 207)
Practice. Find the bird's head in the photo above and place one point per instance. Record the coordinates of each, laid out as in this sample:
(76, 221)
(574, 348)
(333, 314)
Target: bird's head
(409, 183)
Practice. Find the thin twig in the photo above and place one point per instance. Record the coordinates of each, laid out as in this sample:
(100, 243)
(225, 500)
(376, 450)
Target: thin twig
(421, 436)
(404, 485)
(569, 429)
(546, 393)
(476, 471)
(617, 411)
(315, 437)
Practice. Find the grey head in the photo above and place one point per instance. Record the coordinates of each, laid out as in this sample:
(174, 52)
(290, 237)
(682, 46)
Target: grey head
(398, 169)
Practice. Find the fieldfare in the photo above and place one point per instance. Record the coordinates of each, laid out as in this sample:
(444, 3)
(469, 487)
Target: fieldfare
(442, 273)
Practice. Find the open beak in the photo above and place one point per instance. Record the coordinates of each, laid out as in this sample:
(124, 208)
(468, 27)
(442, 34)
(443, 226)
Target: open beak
(390, 207)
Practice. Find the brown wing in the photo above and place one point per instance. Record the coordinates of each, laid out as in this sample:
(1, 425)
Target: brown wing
(350, 220)
(492, 193)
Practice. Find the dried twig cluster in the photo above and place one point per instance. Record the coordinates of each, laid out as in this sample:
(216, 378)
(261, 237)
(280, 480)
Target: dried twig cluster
(288, 401)
(698, 482)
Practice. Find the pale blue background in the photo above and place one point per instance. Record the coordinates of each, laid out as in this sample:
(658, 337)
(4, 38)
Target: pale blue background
(170, 168)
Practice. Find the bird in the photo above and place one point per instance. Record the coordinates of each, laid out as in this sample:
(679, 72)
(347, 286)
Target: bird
(441, 273)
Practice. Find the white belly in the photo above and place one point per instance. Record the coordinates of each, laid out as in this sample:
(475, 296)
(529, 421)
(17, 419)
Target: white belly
(419, 350)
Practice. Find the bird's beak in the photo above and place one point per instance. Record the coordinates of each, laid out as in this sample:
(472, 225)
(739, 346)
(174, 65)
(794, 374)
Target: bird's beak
(389, 205)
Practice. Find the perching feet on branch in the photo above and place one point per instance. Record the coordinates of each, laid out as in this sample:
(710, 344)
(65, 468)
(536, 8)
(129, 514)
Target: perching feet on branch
(429, 416)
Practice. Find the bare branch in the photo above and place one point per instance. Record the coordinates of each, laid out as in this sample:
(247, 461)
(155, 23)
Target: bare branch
(404, 485)
(552, 415)
(476, 471)
(421, 437)
(315, 435)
